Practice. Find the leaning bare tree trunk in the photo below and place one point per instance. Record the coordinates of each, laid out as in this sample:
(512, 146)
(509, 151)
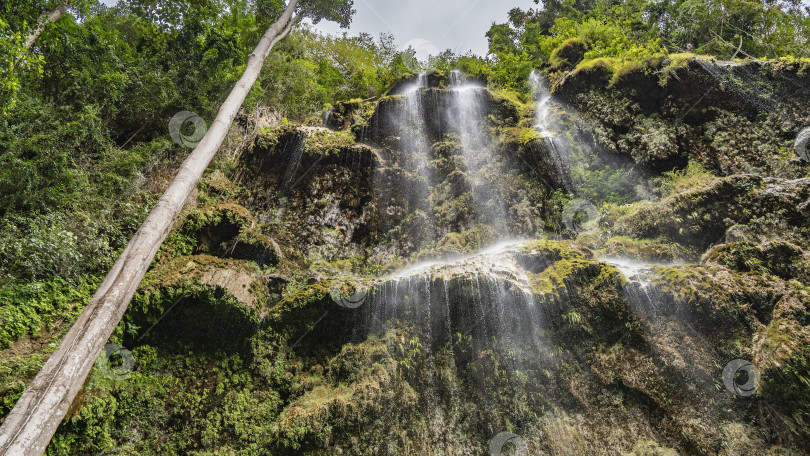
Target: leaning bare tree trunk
(29, 427)
(48, 17)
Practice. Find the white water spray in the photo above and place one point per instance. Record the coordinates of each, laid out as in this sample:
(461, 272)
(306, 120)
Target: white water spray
(543, 96)
(543, 127)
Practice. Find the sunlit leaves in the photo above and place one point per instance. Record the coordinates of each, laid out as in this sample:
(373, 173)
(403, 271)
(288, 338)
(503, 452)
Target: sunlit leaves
(639, 28)
(14, 61)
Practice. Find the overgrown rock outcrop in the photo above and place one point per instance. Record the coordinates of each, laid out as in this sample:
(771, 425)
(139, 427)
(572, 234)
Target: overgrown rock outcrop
(411, 278)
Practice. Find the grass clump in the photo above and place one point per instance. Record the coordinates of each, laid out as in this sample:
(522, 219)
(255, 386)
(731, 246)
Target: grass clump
(327, 142)
(659, 249)
(677, 181)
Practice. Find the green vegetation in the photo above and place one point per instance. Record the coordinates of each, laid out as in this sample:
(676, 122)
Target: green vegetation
(240, 346)
(83, 141)
(564, 32)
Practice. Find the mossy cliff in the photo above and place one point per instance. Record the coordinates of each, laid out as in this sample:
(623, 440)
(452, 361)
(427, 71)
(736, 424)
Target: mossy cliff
(403, 285)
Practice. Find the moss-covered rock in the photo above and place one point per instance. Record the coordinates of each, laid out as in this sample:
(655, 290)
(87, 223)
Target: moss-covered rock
(237, 278)
(214, 225)
(700, 216)
(255, 247)
(649, 250)
(341, 115)
(780, 258)
(568, 54)
(732, 117)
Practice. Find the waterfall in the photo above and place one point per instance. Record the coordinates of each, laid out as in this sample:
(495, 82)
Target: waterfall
(400, 127)
(466, 116)
(491, 281)
(461, 314)
(414, 138)
(327, 117)
(638, 290)
(410, 127)
(543, 124)
(543, 96)
(500, 305)
(455, 78)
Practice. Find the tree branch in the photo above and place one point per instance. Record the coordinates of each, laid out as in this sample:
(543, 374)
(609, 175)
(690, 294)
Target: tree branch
(46, 18)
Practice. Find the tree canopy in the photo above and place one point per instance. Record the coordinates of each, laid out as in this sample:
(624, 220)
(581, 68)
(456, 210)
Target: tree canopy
(638, 28)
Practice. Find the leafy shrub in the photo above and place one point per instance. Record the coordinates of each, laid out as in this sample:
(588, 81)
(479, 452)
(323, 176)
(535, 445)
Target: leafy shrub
(570, 53)
(38, 247)
(25, 308)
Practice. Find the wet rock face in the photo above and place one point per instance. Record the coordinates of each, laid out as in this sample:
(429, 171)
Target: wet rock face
(702, 216)
(436, 168)
(312, 189)
(733, 118)
(603, 349)
(437, 111)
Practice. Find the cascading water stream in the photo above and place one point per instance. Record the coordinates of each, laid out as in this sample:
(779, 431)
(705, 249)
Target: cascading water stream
(543, 126)
(638, 289)
(543, 96)
(466, 116)
(401, 126)
(492, 282)
(416, 140)
(427, 125)
(645, 299)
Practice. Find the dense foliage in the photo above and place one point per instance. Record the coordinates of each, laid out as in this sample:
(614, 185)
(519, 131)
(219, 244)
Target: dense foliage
(641, 28)
(86, 109)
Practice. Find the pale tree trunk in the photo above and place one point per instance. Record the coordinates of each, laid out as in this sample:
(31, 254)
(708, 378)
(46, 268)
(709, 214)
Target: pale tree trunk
(28, 429)
(48, 17)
